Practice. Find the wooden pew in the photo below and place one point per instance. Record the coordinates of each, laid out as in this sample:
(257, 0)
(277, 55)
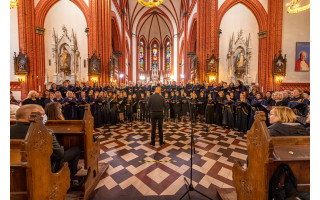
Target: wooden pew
(30, 166)
(80, 133)
(253, 182)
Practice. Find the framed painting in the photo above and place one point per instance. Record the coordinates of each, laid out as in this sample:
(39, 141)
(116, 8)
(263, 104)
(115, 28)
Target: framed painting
(303, 57)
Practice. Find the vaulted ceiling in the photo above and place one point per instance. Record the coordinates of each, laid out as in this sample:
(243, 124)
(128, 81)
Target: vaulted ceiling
(160, 22)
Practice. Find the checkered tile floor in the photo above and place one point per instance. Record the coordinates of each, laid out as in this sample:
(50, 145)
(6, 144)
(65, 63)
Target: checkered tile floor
(134, 173)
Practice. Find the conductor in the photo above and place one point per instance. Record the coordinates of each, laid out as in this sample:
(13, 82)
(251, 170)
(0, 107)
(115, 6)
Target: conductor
(156, 105)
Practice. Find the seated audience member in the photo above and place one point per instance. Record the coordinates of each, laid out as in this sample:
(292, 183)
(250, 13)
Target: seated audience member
(20, 129)
(13, 110)
(12, 99)
(283, 123)
(72, 155)
(32, 98)
(277, 99)
(286, 97)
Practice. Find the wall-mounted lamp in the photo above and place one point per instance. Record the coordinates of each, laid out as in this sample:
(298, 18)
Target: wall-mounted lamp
(21, 79)
(182, 76)
(212, 78)
(121, 75)
(142, 77)
(94, 79)
(279, 79)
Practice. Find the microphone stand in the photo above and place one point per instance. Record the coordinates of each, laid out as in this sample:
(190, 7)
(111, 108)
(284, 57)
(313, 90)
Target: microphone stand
(192, 151)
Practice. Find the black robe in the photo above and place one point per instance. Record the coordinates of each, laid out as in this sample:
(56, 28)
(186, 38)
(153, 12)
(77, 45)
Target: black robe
(210, 111)
(242, 115)
(70, 110)
(202, 101)
(218, 111)
(81, 102)
(96, 112)
(184, 106)
(228, 114)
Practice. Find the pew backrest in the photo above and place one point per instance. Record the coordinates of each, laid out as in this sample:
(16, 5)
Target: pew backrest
(265, 154)
(30, 166)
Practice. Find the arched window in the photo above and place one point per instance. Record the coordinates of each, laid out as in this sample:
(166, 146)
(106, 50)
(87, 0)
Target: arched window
(141, 56)
(168, 57)
(155, 57)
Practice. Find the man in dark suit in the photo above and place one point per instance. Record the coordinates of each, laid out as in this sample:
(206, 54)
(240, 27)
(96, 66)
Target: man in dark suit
(156, 105)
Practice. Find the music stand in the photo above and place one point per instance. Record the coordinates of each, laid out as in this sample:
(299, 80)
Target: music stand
(192, 151)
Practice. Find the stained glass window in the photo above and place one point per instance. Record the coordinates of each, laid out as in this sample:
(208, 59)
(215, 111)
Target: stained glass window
(168, 57)
(155, 57)
(141, 57)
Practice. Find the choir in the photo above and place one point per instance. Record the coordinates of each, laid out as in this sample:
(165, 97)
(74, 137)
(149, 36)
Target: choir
(230, 106)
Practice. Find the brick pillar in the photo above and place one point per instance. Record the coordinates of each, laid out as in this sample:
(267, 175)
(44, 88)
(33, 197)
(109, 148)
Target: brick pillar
(274, 39)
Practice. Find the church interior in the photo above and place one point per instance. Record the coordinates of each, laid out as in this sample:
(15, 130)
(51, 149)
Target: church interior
(220, 54)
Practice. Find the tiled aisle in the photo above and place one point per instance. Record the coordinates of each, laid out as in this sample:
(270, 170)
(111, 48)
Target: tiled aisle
(131, 176)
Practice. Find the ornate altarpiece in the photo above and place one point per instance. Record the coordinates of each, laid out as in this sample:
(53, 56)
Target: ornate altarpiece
(66, 58)
(239, 59)
(212, 67)
(194, 72)
(21, 64)
(94, 65)
(279, 65)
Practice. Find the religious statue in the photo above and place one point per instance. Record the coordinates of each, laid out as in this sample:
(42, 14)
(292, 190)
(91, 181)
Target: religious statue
(212, 65)
(64, 60)
(241, 60)
(279, 67)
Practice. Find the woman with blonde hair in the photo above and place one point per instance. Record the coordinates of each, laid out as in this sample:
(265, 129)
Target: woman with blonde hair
(32, 98)
(277, 99)
(283, 123)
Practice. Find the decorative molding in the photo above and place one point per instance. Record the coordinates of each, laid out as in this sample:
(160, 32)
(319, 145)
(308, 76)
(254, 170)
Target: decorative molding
(39, 30)
(86, 30)
(262, 34)
(117, 53)
(176, 35)
(134, 35)
(123, 12)
(185, 13)
(15, 86)
(219, 32)
(191, 54)
(292, 86)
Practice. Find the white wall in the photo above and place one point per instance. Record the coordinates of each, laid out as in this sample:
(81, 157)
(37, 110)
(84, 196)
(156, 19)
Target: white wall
(232, 22)
(296, 28)
(66, 13)
(14, 40)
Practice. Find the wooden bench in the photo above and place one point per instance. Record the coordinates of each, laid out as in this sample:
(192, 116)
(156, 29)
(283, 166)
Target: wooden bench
(265, 154)
(71, 133)
(30, 166)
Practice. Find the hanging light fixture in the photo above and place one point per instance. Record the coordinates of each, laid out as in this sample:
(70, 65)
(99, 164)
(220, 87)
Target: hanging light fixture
(294, 6)
(150, 3)
(13, 3)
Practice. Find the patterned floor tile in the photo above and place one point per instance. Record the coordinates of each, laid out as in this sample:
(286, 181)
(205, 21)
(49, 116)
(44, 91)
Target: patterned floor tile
(140, 171)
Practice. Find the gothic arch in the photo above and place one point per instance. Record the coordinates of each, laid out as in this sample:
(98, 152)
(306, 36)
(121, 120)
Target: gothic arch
(115, 33)
(255, 6)
(44, 6)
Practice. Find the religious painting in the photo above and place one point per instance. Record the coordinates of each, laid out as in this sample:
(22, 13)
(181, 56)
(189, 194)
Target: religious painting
(141, 57)
(65, 59)
(212, 64)
(21, 64)
(279, 65)
(303, 57)
(240, 61)
(94, 65)
(168, 58)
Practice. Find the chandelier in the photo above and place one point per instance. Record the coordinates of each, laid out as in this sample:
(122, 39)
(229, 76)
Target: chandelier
(13, 3)
(150, 3)
(295, 7)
